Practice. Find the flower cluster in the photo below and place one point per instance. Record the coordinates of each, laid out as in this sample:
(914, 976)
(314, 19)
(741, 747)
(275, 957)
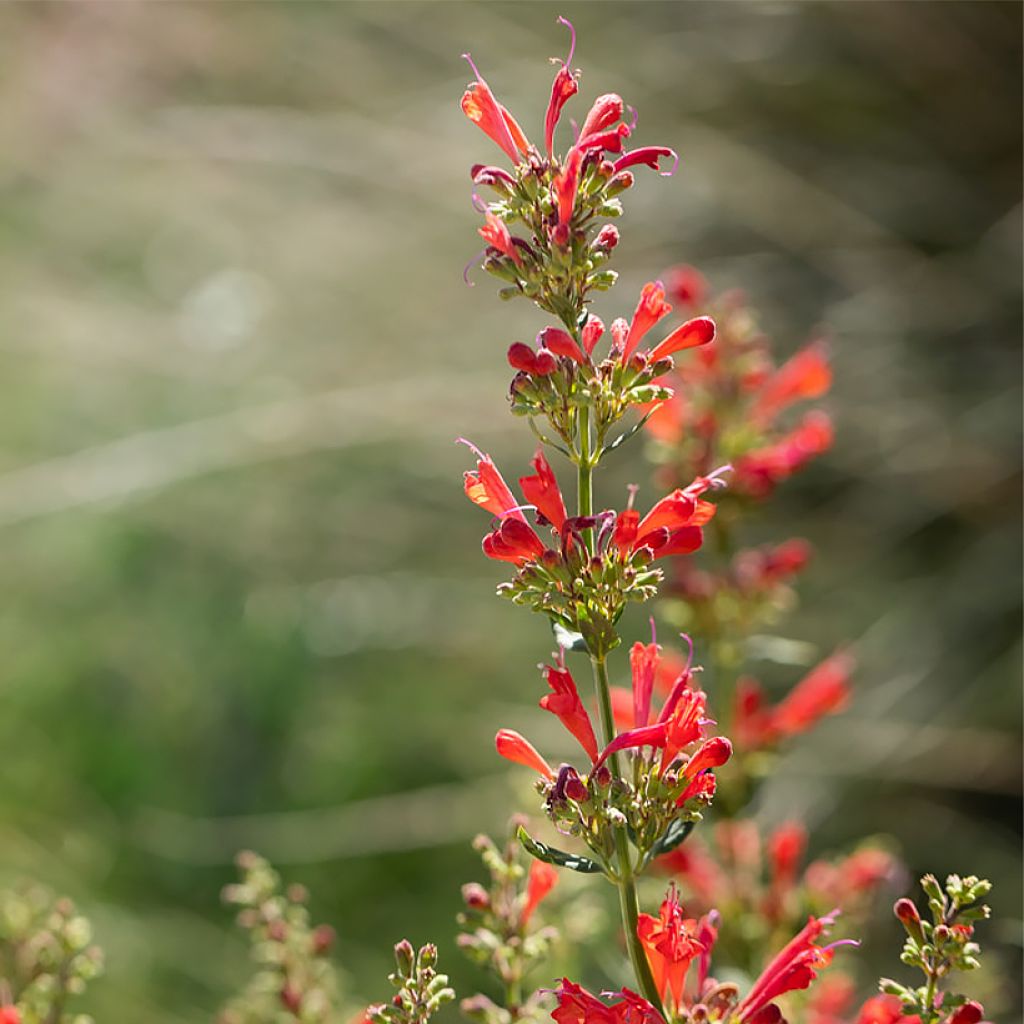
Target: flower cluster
(680, 950)
(499, 931)
(729, 403)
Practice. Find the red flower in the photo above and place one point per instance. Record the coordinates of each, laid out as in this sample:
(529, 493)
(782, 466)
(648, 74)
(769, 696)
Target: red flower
(885, 1010)
(561, 344)
(823, 691)
(699, 331)
(540, 881)
(795, 967)
(805, 375)
(495, 232)
(487, 488)
(541, 489)
(480, 106)
(513, 747)
(565, 704)
(670, 942)
(537, 364)
(649, 157)
(760, 470)
(10, 1015)
(591, 333)
(786, 846)
(649, 310)
(687, 285)
(563, 88)
(565, 186)
(577, 1006)
(712, 753)
(607, 109)
(515, 541)
(643, 662)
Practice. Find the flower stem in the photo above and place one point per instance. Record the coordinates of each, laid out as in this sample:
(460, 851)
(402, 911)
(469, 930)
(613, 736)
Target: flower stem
(626, 881)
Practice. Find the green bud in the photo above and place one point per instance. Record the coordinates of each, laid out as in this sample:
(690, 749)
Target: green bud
(404, 958)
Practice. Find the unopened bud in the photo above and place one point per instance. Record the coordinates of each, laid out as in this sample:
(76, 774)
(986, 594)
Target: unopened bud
(323, 938)
(277, 930)
(909, 917)
(405, 957)
(603, 776)
(291, 998)
(941, 933)
(574, 788)
(428, 956)
(607, 238)
(622, 181)
(298, 893)
(475, 896)
(970, 1013)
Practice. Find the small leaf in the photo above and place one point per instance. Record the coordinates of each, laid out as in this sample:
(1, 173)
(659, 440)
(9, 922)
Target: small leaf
(673, 836)
(567, 639)
(548, 854)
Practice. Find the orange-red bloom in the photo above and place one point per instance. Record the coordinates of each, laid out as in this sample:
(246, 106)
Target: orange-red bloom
(649, 310)
(563, 88)
(577, 1006)
(698, 331)
(480, 106)
(807, 374)
(786, 846)
(539, 882)
(541, 489)
(495, 232)
(823, 691)
(565, 704)
(795, 967)
(514, 747)
(670, 942)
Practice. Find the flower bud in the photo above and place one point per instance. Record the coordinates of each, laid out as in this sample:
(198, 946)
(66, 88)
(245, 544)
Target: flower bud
(428, 956)
(323, 938)
(404, 957)
(620, 183)
(607, 238)
(941, 934)
(603, 776)
(277, 930)
(574, 788)
(909, 917)
(291, 998)
(475, 896)
(970, 1013)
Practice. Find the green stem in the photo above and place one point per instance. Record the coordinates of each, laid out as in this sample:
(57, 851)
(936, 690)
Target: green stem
(626, 881)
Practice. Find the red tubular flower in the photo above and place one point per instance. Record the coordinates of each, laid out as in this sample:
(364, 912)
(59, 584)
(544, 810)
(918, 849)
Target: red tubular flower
(495, 232)
(513, 747)
(823, 691)
(539, 882)
(480, 106)
(687, 285)
(609, 141)
(785, 847)
(643, 661)
(699, 331)
(591, 333)
(649, 157)
(565, 186)
(713, 753)
(607, 109)
(541, 489)
(563, 88)
(885, 1010)
(760, 470)
(795, 967)
(561, 344)
(649, 310)
(670, 942)
(565, 704)
(487, 488)
(751, 721)
(702, 788)
(515, 541)
(968, 1013)
(683, 718)
(805, 375)
(537, 364)
(496, 177)
(577, 1006)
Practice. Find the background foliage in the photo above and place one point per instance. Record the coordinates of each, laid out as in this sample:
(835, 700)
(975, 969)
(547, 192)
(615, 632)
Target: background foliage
(245, 604)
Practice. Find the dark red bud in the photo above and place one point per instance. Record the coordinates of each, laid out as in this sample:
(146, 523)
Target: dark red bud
(522, 357)
(475, 896)
(607, 238)
(970, 1013)
(603, 776)
(291, 998)
(323, 939)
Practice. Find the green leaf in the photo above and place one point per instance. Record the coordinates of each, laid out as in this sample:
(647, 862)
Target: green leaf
(567, 639)
(673, 836)
(548, 854)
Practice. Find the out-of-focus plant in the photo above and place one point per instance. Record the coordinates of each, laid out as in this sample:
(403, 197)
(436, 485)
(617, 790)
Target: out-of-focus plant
(500, 933)
(295, 978)
(47, 957)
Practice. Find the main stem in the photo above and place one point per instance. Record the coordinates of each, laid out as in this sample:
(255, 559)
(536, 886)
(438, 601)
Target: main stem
(626, 881)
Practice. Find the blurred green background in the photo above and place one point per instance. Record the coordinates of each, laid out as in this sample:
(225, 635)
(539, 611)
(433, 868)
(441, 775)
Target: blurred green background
(245, 601)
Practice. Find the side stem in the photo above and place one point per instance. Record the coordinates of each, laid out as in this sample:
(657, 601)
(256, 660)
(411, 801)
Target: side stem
(626, 882)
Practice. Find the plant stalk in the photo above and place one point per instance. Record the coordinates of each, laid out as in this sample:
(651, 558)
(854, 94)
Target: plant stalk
(626, 881)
